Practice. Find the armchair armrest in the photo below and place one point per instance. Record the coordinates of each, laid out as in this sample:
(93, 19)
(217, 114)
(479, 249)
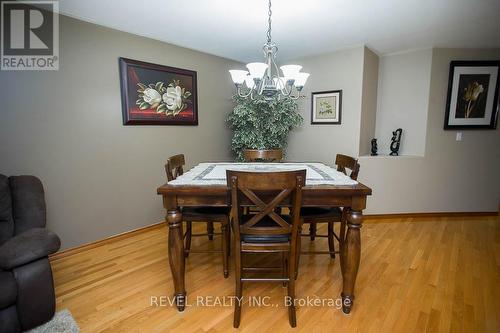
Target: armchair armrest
(28, 246)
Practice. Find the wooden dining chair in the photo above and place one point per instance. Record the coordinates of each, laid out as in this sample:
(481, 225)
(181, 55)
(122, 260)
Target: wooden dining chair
(209, 215)
(329, 215)
(266, 231)
(263, 155)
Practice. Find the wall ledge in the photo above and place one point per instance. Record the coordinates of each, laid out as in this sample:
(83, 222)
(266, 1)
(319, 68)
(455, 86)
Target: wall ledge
(390, 157)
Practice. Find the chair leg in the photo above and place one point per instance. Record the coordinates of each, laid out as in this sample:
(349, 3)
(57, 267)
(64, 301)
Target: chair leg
(297, 254)
(225, 258)
(312, 231)
(331, 240)
(210, 230)
(228, 239)
(187, 245)
(292, 317)
(284, 263)
(239, 285)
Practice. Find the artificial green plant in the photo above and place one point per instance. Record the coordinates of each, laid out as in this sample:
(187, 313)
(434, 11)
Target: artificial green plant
(262, 123)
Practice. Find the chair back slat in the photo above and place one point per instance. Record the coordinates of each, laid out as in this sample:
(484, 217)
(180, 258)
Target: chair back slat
(345, 162)
(286, 187)
(263, 155)
(174, 166)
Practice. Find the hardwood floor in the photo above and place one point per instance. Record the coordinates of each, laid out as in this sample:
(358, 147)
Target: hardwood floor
(416, 274)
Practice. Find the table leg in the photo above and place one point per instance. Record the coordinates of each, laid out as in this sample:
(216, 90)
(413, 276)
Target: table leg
(176, 256)
(350, 254)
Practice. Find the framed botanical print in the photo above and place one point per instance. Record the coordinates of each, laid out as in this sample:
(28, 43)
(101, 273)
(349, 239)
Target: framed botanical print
(157, 95)
(326, 107)
(472, 101)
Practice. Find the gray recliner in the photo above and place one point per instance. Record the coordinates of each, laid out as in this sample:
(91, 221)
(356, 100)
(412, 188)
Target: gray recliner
(26, 287)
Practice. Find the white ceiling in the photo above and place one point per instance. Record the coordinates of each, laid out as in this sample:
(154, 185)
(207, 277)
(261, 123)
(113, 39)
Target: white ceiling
(236, 29)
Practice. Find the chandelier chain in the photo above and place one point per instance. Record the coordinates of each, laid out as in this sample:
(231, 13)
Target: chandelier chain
(269, 22)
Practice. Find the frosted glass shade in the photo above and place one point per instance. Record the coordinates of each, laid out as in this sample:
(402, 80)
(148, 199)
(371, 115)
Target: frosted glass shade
(257, 69)
(249, 82)
(290, 71)
(300, 79)
(238, 76)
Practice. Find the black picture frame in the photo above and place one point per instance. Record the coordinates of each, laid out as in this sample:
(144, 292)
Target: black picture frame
(337, 120)
(134, 112)
(456, 89)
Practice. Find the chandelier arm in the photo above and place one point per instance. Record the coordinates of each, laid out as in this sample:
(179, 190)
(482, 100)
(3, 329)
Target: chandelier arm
(261, 86)
(242, 94)
(286, 92)
(296, 97)
(283, 90)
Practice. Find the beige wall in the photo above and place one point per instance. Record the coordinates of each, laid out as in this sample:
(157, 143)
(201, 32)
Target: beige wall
(452, 176)
(368, 101)
(340, 70)
(66, 127)
(403, 100)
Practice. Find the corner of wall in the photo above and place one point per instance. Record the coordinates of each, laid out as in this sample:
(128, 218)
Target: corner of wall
(368, 100)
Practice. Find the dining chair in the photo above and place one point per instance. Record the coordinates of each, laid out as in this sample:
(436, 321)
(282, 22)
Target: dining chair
(263, 155)
(266, 231)
(329, 215)
(209, 215)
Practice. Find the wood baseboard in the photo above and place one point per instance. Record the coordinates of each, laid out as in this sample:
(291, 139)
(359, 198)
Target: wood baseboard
(427, 215)
(100, 242)
(368, 217)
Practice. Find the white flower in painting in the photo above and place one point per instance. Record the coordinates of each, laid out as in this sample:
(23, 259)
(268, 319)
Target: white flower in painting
(478, 89)
(173, 98)
(151, 96)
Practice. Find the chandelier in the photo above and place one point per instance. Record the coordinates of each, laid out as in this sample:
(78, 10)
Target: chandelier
(264, 79)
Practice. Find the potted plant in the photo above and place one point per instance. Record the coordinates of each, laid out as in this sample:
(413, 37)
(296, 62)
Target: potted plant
(262, 124)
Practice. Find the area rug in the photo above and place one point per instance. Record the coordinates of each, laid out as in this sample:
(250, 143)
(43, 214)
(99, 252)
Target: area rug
(62, 322)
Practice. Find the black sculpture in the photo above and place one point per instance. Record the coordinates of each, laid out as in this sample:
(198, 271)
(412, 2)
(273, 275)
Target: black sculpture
(396, 139)
(374, 147)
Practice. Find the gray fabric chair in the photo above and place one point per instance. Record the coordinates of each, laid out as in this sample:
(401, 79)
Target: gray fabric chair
(26, 287)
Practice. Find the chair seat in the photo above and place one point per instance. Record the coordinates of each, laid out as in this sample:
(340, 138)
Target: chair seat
(205, 214)
(265, 222)
(313, 213)
(265, 239)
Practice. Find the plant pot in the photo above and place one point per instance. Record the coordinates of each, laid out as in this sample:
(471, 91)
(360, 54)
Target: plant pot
(263, 155)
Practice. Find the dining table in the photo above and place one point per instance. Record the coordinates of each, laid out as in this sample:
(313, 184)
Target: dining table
(206, 185)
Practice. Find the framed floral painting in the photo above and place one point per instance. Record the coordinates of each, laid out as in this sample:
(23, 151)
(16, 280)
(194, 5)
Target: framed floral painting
(472, 101)
(157, 95)
(326, 107)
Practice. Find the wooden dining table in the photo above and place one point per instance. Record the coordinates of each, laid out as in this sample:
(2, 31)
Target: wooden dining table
(205, 185)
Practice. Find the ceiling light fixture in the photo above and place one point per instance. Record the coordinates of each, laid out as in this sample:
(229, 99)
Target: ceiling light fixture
(264, 79)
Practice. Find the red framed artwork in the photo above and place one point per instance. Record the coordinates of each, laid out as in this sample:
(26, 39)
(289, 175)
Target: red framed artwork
(157, 95)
